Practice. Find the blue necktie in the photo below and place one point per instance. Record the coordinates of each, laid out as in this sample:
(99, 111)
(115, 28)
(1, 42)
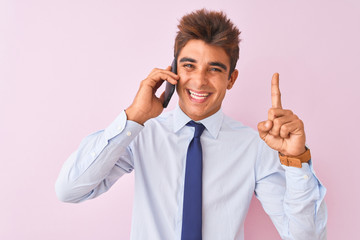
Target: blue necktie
(192, 208)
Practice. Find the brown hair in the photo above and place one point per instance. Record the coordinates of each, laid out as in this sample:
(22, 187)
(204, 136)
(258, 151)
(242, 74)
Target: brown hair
(212, 27)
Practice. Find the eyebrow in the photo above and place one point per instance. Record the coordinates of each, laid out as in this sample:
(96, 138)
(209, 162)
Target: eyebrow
(217, 64)
(187, 59)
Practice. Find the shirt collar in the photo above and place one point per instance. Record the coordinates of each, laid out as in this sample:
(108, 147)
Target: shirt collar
(212, 123)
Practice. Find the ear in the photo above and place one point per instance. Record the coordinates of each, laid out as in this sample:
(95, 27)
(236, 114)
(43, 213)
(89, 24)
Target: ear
(232, 79)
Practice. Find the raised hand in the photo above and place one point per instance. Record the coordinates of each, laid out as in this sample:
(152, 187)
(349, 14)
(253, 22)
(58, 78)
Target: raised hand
(283, 131)
(146, 105)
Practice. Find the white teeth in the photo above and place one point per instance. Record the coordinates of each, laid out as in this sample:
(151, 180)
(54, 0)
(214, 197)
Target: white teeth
(198, 95)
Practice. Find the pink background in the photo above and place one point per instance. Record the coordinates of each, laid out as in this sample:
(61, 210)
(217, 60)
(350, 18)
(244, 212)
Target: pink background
(67, 68)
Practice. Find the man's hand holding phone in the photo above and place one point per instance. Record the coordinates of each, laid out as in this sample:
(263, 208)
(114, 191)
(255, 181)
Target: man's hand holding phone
(146, 104)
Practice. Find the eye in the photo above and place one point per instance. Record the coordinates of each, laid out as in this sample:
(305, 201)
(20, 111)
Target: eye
(214, 69)
(188, 65)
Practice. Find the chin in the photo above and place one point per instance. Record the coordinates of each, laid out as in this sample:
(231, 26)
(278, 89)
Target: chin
(198, 114)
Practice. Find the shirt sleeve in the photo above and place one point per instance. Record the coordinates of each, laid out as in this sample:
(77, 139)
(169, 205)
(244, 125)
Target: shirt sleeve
(292, 197)
(101, 159)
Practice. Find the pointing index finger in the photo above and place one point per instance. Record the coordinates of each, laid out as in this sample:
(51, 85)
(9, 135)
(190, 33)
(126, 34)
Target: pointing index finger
(275, 91)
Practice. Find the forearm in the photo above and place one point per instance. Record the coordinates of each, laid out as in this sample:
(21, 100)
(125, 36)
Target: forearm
(100, 160)
(294, 200)
(304, 204)
(292, 197)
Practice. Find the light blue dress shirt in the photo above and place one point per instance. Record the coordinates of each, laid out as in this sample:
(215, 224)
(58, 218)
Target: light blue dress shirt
(236, 163)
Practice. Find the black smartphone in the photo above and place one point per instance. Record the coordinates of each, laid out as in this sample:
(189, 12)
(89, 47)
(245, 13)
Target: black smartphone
(170, 88)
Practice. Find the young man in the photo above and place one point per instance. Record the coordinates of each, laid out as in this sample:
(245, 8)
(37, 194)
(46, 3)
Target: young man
(191, 183)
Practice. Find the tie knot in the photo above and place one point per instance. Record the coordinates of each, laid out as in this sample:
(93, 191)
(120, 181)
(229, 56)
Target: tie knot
(199, 128)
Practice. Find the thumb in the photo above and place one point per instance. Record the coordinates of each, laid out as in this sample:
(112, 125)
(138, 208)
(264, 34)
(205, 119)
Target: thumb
(264, 128)
(162, 98)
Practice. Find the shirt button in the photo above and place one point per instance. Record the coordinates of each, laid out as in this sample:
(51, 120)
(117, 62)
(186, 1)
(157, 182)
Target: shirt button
(128, 133)
(306, 177)
(93, 154)
(120, 128)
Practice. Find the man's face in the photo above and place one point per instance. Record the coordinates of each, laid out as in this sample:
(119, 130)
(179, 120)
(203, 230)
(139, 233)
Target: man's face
(204, 78)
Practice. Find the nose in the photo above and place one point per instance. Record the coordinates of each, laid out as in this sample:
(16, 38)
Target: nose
(200, 77)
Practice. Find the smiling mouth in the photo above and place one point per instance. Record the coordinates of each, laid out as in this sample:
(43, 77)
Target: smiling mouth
(198, 96)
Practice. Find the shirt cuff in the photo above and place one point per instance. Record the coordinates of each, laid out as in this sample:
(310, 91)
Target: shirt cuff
(300, 178)
(128, 128)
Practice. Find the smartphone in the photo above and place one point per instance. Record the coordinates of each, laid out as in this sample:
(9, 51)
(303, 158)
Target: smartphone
(170, 88)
